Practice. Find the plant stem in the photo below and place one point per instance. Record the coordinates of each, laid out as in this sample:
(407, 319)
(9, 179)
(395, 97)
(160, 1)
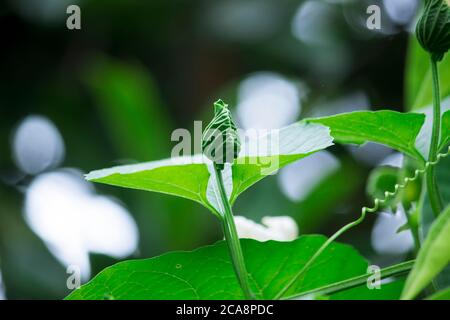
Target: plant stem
(406, 203)
(414, 232)
(394, 270)
(231, 236)
(319, 252)
(432, 187)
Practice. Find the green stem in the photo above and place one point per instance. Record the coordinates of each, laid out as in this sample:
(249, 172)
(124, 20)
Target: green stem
(432, 187)
(406, 203)
(394, 270)
(319, 252)
(414, 232)
(232, 239)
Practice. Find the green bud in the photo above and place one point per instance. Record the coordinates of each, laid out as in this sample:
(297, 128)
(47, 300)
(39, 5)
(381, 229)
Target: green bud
(433, 28)
(220, 140)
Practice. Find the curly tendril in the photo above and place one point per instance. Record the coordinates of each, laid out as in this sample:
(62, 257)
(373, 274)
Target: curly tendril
(220, 140)
(377, 202)
(399, 186)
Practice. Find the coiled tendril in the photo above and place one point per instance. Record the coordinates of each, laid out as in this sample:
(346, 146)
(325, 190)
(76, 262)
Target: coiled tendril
(377, 202)
(220, 140)
(399, 186)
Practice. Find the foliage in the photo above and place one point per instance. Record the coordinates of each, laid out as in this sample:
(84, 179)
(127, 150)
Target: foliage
(207, 273)
(192, 177)
(120, 89)
(393, 129)
(433, 257)
(188, 177)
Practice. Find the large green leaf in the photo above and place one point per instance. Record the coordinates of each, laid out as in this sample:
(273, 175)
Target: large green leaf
(418, 81)
(393, 129)
(207, 273)
(433, 257)
(188, 176)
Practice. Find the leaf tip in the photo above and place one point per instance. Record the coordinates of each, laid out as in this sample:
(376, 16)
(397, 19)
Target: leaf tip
(91, 176)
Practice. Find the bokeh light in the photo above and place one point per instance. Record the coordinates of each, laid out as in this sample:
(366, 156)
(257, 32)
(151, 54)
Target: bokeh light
(313, 23)
(297, 180)
(268, 101)
(393, 160)
(37, 145)
(385, 236)
(73, 221)
(401, 11)
(281, 228)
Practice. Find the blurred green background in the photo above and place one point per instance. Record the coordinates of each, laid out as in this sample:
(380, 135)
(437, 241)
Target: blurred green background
(111, 93)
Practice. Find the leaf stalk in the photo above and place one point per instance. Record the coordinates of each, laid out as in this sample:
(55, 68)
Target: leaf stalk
(395, 270)
(232, 239)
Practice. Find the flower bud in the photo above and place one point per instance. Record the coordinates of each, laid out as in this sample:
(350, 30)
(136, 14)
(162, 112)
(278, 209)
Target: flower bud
(433, 28)
(220, 140)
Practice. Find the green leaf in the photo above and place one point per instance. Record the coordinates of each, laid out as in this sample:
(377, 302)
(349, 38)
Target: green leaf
(382, 179)
(185, 177)
(427, 216)
(442, 178)
(404, 227)
(207, 273)
(433, 256)
(393, 129)
(418, 85)
(441, 295)
(445, 132)
(188, 176)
